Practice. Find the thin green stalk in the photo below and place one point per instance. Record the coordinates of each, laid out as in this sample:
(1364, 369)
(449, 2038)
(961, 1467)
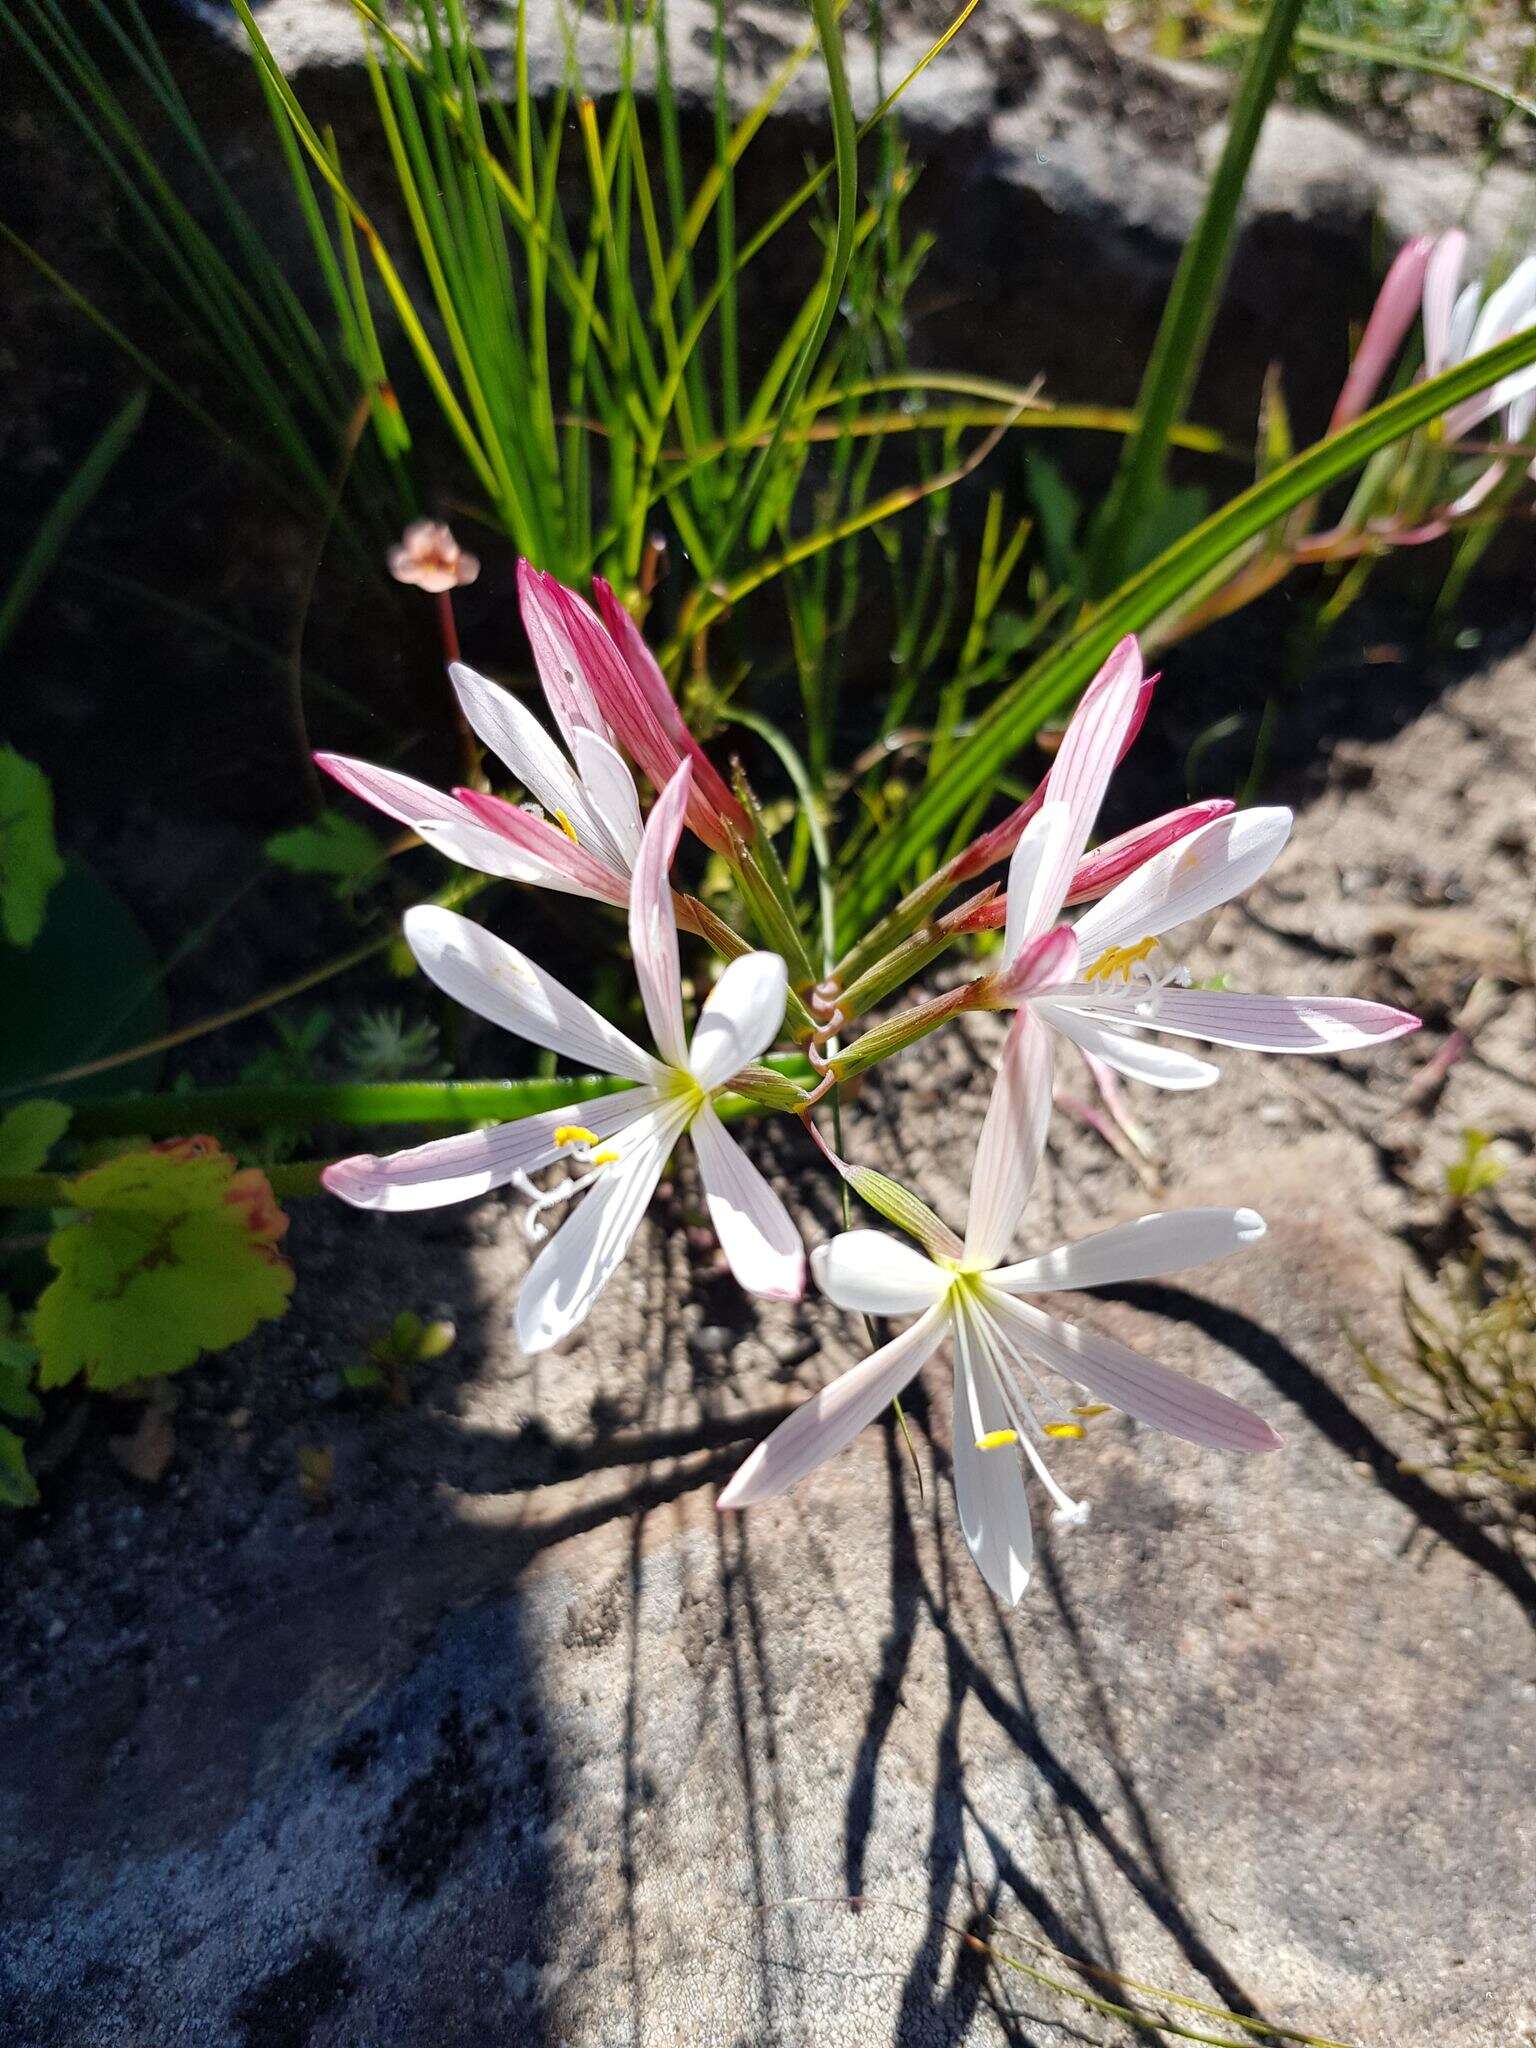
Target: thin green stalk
(1185, 328)
(64, 513)
(845, 154)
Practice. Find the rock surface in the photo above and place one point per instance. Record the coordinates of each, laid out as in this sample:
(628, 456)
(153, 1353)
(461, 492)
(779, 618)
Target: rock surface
(509, 1737)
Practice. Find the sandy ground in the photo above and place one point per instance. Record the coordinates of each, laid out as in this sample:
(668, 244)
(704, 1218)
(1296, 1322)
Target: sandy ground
(513, 1739)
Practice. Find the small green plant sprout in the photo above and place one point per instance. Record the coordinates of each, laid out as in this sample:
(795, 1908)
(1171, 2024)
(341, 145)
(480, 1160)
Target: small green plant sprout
(394, 1354)
(381, 1046)
(1470, 1373)
(1477, 1167)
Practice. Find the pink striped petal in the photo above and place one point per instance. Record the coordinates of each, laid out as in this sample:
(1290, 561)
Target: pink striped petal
(1137, 1386)
(457, 1169)
(710, 789)
(538, 840)
(567, 690)
(1099, 871)
(1296, 1024)
(832, 1418)
(1046, 963)
(1185, 880)
(652, 925)
(999, 842)
(398, 796)
(761, 1245)
(1094, 741)
(1012, 1140)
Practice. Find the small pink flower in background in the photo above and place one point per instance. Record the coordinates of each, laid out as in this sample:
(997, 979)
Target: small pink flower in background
(428, 556)
(622, 1141)
(965, 1295)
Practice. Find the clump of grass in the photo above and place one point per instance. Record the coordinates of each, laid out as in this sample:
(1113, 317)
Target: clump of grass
(1470, 1372)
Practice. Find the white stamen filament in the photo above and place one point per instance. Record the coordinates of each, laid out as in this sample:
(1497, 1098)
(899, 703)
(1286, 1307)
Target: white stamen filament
(997, 1347)
(580, 1152)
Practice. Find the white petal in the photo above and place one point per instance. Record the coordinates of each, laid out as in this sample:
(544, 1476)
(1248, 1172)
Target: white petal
(1309, 1024)
(456, 1169)
(1138, 1386)
(872, 1274)
(612, 803)
(1033, 874)
(512, 733)
(652, 925)
(1441, 276)
(1142, 1250)
(821, 1426)
(1185, 880)
(1011, 1142)
(1098, 734)
(761, 1245)
(495, 981)
(575, 1266)
(990, 1493)
(1139, 1059)
(398, 796)
(740, 1019)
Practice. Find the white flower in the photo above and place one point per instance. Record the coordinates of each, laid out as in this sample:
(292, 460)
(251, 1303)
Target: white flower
(623, 1140)
(965, 1295)
(1106, 981)
(1461, 321)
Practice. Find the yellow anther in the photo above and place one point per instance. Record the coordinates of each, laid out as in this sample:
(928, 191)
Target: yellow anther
(1064, 1429)
(574, 1134)
(1119, 960)
(567, 827)
(996, 1438)
(1088, 1414)
(607, 1155)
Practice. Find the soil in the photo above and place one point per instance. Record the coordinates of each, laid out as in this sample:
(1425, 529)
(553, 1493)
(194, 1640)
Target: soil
(472, 1721)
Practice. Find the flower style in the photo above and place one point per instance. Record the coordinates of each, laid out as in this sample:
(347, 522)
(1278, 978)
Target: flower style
(428, 557)
(621, 1140)
(1105, 982)
(963, 1294)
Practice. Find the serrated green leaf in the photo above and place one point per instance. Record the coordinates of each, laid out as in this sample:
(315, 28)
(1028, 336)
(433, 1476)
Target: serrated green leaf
(29, 859)
(172, 1256)
(18, 1489)
(29, 1132)
(333, 845)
